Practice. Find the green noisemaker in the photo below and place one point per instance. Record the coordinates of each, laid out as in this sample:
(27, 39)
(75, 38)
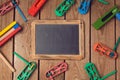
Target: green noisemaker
(106, 17)
(116, 45)
(64, 7)
(28, 70)
(93, 73)
(103, 1)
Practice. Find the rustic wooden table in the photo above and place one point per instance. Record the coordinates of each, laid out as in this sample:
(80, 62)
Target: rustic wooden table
(21, 42)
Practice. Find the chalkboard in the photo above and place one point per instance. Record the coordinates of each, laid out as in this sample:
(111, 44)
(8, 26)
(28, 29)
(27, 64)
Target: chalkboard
(56, 38)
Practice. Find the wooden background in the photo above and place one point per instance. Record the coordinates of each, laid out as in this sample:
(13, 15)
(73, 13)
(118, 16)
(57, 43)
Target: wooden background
(21, 42)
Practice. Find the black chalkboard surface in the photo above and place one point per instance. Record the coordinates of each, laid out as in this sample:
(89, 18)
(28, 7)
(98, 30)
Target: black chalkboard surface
(57, 39)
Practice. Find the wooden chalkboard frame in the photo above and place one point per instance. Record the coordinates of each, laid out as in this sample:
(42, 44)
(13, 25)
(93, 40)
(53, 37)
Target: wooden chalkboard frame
(69, 57)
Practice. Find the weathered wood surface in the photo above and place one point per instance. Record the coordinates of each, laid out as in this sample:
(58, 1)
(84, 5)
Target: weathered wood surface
(108, 35)
(48, 13)
(7, 49)
(22, 41)
(117, 35)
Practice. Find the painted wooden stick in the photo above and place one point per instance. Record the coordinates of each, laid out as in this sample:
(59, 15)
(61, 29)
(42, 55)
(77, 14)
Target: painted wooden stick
(7, 63)
(5, 35)
(7, 28)
(10, 36)
(10, 31)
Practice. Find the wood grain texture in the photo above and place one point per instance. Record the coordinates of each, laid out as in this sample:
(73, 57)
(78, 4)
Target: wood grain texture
(48, 10)
(47, 13)
(76, 68)
(118, 49)
(5, 20)
(22, 42)
(105, 35)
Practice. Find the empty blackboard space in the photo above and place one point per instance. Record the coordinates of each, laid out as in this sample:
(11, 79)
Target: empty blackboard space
(57, 39)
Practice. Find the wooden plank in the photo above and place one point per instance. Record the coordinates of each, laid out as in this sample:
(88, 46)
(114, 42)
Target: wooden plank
(5, 20)
(23, 39)
(76, 68)
(48, 10)
(47, 13)
(118, 49)
(106, 36)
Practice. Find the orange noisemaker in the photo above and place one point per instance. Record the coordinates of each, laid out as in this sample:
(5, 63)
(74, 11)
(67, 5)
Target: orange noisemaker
(104, 50)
